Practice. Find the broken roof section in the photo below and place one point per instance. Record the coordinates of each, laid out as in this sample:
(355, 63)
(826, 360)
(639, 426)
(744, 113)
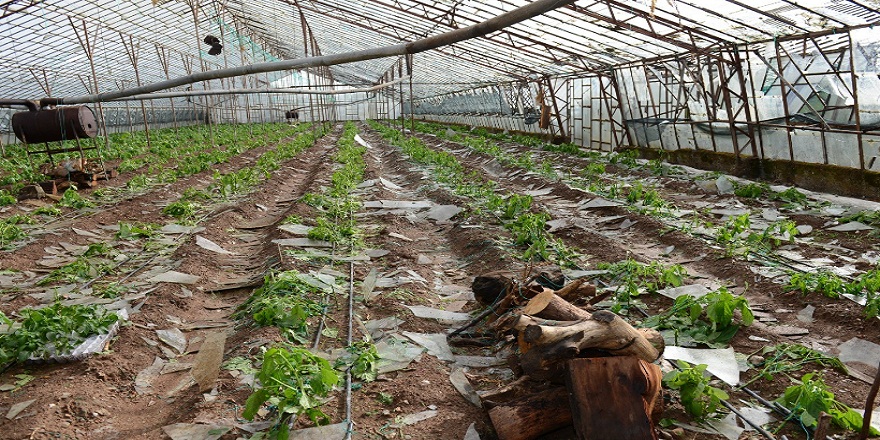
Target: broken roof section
(45, 45)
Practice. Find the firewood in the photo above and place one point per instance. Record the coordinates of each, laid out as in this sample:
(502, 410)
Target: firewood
(576, 289)
(531, 416)
(606, 331)
(613, 397)
(569, 288)
(513, 390)
(518, 295)
(548, 304)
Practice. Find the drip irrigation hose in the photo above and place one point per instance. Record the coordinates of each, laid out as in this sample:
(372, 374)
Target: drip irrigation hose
(757, 427)
(781, 410)
(729, 406)
(350, 426)
(326, 304)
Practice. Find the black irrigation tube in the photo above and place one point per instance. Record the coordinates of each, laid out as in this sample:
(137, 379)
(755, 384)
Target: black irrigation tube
(781, 410)
(317, 341)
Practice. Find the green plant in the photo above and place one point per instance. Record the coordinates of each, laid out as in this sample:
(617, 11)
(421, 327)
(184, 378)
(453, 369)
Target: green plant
(811, 396)
(385, 399)
(626, 158)
(825, 282)
(99, 250)
(82, 269)
(699, 399)
(20, 219)
(6, 198)
(774, 235)
(629, 277)
(55, 329)
(529, 230)
(866, 217)
(137, 230)
(72, 199)
(195, 194)
(292, 220)
(138, 183)
(708, 320)
(751, 190)
(183, 210)
(785, 358)
(648, 198)
(10, 233)
(48, 210)
(510, 207)
(362, 358)
(732, 234)
(293, 382)
(110, 290)
(793, 198)
(283, 301)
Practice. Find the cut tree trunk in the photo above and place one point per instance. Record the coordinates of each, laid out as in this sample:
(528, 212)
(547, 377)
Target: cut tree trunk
(531, 416)
(549, 345)
(613, 397)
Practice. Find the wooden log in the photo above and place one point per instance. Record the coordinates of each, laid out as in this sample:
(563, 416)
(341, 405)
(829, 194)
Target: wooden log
(610, 397)
(515, 296)
(549, 305)
(531, 416)
(606, 331)
(569, 289)
(516, 389)
(521, 322)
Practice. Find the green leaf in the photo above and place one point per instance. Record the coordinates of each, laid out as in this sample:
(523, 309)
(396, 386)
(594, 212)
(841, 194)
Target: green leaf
(254, 402)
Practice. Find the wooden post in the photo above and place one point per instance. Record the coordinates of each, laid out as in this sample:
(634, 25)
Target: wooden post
(869, 407)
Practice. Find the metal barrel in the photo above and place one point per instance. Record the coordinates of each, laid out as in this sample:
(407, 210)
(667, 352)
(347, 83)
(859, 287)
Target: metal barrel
(57, 124)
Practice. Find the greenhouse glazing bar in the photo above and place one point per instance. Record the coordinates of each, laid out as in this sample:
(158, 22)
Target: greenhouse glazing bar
(531, 10)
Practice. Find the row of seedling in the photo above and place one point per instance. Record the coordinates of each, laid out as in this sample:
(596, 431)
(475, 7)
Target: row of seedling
(639, 197)
(226, 186)
(16, 168)
(791, 198)
(735, 235)
(335, 221)
(294, 381)
(194, 157)
(515, 211)
(13, 235)
(864, 288)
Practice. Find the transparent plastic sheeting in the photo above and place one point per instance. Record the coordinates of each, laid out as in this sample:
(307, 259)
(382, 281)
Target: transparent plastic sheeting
(43, 44)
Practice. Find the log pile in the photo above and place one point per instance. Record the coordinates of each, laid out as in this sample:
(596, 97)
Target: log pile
(585, 370)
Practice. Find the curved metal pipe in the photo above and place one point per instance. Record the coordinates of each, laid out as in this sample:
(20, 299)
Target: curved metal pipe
(167, 95)
(502, 21)
(31, 105)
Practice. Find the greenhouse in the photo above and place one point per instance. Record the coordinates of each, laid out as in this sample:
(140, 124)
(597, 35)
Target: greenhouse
(445, 219)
